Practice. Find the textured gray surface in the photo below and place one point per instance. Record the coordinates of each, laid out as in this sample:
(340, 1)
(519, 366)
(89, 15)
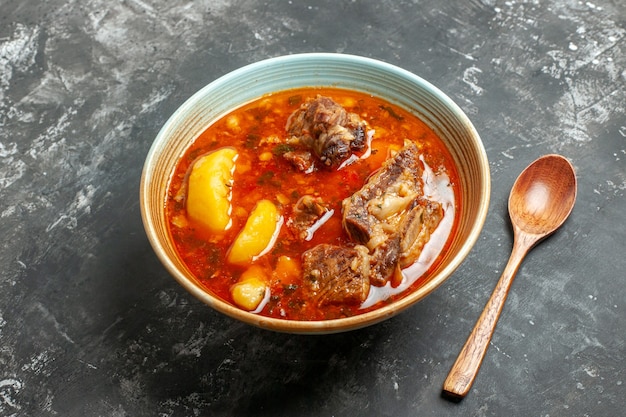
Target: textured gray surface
(92, 325)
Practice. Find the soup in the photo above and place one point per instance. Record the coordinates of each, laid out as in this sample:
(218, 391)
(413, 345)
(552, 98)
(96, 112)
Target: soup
(313, 204)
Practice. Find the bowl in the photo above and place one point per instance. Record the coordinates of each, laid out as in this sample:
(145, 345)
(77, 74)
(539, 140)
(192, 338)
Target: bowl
(245, 84)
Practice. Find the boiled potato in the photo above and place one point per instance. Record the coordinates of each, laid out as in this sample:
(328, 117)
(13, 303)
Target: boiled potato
(209, 189)
(258, 234)
(251, 288)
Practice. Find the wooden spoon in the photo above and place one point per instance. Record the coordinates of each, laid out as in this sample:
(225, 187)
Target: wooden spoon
(541, 199)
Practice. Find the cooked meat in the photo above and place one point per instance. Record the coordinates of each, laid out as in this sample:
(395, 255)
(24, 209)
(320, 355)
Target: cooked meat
(301, 160)
(389, 220)
(390, 216)
(336, 275)
(384, 260)
(419, 223)
(309, 213)
(328, 129)
(401, 239)
(388, 192)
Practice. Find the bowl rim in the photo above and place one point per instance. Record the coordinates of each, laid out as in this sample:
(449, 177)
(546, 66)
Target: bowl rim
(314, 326)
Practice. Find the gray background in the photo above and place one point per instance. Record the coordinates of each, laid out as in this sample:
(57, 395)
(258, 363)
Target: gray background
(92, 325)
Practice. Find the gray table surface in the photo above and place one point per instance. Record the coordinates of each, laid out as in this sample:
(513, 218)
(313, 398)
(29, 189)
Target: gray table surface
(91, 324)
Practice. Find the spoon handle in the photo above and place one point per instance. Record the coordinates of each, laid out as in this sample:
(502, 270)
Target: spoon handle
(464, 370)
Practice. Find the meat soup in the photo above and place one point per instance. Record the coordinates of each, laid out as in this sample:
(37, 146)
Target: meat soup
(313, 204)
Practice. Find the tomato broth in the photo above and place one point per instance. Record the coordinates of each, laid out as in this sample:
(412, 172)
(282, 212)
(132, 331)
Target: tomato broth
(257, 132)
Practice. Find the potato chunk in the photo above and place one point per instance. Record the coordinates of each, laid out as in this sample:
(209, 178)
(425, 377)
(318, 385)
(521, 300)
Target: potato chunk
(251, 289)
(258, 235)
(209, 189)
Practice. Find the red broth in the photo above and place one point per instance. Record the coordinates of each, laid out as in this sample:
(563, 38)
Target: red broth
(260, 173)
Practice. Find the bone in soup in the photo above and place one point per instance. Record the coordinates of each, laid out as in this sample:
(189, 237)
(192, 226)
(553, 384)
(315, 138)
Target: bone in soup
(313, 204)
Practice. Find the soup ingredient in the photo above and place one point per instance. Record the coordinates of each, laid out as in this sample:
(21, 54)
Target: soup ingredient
(209, 189)
(309, 214)
(258, 235)
(301, 160)
(420, 221)
(336, 275)
(389, 220)
(287, 271)
(328, 129)
(390, 216)
(251, 288)
(385, 194)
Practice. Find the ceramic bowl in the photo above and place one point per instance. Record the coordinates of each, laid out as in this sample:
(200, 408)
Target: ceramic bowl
(241, 86)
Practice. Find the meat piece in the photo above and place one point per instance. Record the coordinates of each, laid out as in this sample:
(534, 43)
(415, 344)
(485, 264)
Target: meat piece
(309, 214)
(384, 260)
(328, 129)
(389, 215)
(386, 193)
(388, 219)
(301, 160)
(419, 223)
(336, 274)
(402, 246)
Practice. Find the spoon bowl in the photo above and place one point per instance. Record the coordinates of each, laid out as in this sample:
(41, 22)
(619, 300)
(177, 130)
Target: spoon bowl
(541, 199)
(543, 195)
